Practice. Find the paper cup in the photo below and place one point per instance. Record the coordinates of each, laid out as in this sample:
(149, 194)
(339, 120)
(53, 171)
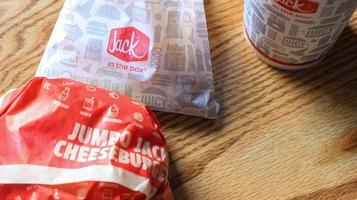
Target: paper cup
(295, 34)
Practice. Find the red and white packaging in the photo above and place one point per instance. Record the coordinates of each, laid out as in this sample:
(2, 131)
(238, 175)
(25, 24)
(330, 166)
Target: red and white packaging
(61, 139)
(295, 34)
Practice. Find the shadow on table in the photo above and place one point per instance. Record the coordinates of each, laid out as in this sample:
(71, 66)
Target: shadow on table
(336, 76)
(334, 83)
(336, 79)
(176, 180)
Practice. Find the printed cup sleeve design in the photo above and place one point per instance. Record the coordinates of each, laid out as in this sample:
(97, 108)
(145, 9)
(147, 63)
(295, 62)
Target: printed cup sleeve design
(306, 29)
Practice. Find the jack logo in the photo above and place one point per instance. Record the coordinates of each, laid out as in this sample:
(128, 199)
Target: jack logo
(129, 44)
(299, 6)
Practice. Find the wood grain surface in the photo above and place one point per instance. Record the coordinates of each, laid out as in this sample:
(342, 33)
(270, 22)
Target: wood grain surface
(280, 135)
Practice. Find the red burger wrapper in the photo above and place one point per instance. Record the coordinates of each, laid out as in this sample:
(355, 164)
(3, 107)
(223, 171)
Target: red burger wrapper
(61, 139)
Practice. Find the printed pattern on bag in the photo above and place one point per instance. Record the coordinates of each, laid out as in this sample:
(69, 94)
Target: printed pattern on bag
(137, 48)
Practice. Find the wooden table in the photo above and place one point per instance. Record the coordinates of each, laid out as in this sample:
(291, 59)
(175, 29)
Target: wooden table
(280, 135)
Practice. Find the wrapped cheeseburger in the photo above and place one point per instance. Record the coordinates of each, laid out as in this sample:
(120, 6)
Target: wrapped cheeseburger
(61, 139)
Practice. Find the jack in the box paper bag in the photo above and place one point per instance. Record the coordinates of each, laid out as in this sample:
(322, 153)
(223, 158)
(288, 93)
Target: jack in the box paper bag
(155, 51)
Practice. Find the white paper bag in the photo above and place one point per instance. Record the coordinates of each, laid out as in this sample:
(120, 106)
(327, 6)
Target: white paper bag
(154, 51)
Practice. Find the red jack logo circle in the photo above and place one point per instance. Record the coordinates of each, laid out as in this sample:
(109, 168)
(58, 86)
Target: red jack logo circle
(129, 44)
(299, 6)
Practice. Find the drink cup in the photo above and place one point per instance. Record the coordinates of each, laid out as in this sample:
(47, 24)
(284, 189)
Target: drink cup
(295, 34)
